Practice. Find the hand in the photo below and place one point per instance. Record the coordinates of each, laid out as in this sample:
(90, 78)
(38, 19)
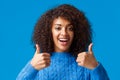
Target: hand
(40, 60)
(87, 59)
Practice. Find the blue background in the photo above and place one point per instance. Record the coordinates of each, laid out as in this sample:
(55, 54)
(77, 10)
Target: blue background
(17, 20)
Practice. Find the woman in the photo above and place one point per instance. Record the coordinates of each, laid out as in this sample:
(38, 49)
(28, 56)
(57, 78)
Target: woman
(63, 48)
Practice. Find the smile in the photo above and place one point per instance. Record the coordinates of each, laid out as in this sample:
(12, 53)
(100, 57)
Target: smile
(63, 40)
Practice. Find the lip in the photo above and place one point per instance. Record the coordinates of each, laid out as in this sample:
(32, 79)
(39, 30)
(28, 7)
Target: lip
(63, 41)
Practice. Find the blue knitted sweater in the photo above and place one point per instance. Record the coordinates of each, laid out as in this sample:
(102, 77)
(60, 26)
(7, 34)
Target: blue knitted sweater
(63, 66)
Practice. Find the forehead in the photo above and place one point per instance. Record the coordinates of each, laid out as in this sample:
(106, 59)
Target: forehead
(61, 20)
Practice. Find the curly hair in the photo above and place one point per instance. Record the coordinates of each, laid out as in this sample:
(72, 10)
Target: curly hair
(42, 34)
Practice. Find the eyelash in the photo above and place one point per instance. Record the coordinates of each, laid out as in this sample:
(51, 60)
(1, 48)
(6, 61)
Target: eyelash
(69, 28)
(57, 28)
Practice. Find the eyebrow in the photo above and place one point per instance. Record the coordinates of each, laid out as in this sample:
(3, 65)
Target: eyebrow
(58, 24)
(61, 25)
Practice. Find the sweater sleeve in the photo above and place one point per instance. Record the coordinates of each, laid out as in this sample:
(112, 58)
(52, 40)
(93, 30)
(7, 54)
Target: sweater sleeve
(99, 73)
(27, 73)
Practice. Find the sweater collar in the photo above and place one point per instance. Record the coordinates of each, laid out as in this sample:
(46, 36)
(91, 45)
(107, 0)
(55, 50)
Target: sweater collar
(61, 54)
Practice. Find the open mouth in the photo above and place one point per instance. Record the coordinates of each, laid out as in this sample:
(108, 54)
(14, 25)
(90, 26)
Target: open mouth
(63, 41)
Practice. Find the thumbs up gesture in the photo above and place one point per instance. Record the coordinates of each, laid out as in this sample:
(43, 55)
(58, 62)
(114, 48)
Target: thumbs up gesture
(40, 60)
(87, 59)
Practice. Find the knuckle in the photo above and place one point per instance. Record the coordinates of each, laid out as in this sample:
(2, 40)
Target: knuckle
(42, 58)
(44, 61)
(82, 63)
(46, 64)
(42, 55)
(84, 53)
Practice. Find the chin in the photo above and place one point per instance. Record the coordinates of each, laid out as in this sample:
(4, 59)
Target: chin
(63, 49)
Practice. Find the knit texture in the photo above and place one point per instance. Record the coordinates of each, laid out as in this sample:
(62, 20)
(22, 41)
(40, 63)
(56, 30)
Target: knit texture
(63, 66)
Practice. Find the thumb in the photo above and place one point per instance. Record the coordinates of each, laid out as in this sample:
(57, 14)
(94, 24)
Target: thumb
(37, 49)
(90, 48)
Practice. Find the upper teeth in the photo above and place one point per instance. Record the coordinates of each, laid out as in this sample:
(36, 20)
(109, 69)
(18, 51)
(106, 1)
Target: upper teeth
(63, 39)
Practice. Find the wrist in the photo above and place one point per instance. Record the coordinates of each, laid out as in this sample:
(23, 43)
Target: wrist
(94, 65)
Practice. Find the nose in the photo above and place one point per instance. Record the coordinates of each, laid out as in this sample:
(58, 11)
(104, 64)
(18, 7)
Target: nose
(64, 32)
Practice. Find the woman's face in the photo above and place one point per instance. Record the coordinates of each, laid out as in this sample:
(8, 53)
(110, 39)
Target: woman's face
(62, 32)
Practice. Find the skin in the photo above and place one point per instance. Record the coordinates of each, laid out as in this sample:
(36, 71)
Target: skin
(62, 33)
(40, 60)
(87, 59)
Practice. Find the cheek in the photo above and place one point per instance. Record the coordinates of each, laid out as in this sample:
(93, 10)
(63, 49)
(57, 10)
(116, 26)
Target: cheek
(55, 35)
(71, 35)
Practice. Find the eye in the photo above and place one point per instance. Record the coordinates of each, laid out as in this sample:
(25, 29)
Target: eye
(58, 28)
(70, 28)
